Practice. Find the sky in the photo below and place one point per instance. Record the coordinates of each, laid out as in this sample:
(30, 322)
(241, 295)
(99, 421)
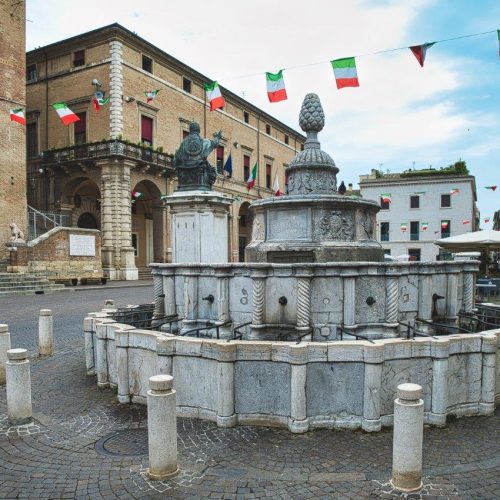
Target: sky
(402, 116)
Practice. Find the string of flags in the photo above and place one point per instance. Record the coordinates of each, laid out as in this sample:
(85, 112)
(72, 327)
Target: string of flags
(151, 94)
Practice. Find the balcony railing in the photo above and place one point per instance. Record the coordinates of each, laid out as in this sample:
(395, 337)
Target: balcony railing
(384, 237)
(414, 236)
(105, 149)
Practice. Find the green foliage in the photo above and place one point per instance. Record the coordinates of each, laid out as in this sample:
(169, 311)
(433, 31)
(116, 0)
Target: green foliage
(457, 168)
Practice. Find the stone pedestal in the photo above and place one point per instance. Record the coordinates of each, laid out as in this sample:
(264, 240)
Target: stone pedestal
(45, 333)
(200, 228)
(19, 408)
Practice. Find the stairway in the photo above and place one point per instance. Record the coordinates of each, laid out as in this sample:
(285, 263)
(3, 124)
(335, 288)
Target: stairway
(145, 273)
(25, 284)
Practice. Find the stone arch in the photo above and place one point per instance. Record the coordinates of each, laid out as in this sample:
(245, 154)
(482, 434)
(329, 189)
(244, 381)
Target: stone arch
(244, 229)
(84, 196)
(148, 224)
(87, 221)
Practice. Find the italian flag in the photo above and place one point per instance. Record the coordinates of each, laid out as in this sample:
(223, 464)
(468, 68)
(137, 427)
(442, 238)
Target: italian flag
(486, 220)
(386, 198)
(454, 191)
(466, 221)
(253, 176)
(276, 186)
(151, 94)
(345, 72)
(444, 225)
(420, 51)
(276, 87)
(98, 102)
(214, 96)
(403, 226)
(419, 193)
(137, 195)
(425, 226)
(17, 115)
(65, 114)
(490, 187)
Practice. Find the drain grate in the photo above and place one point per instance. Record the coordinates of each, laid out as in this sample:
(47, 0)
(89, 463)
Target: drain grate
(128, 442)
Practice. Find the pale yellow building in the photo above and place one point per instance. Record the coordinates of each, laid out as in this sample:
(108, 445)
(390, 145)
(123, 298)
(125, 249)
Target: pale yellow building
(87, 170)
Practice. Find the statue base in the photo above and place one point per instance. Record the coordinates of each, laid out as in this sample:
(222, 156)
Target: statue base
(200, 226)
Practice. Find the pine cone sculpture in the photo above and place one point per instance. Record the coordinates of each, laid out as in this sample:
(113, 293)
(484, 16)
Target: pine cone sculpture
(312, 117)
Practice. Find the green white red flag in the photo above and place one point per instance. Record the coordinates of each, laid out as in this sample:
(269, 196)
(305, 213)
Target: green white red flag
(17, 115)
(425, 226)
(98, 102)
(466, 221)
(151, 94)
(498, 34)
(345, 72)
(65, 114)
(386, 198)
(420, 51)
(253, 177)
(276, 87)
(137, 195)
(403, 226)
(486, 220)
(214, 96)
(493, 188)
(454, 190)
(444, 224)
(276, 186)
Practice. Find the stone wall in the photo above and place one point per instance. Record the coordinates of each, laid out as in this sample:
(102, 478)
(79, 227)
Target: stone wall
(341, 384)
(49, 255)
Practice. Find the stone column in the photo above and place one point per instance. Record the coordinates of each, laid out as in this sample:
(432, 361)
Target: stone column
(222, 300)
(190, 298)
(259, 277)
(440, 351)
(392, 297)
(45, 333)
(425, 296)
(298, 421)
(374, 358)
(304, 277)
(408, 437)
(489, 348)
(162, 428)
(169, 292)
(468, 288)
(226, 417)
(451, 294)
(108, 223)
(115, 88)
(349, 301)
(159, 295)
(121, 345)
(17, 370)
(4, 347)
(101, 349)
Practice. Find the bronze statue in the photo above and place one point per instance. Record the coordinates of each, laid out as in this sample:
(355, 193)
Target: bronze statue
(190, 161)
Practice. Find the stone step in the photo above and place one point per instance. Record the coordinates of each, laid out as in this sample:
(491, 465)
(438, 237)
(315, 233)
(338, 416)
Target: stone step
(43, 286)
(23, 282)
(44, 291)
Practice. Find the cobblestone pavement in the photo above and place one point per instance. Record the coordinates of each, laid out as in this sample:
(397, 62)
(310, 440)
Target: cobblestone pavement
(83, 444)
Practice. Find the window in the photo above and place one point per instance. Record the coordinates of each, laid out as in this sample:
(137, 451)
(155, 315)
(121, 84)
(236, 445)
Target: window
(445, 228)
(387, 251)
(246, 117)
(287, 139)
(79, 58)
(147, 64)
(414, 254)
(219, 155)
(384, 231)
(246, 167)
(268, 176)
(268, 129)
(186, 85)
(31, 73)
(80, 129)
(286, 180)
(414, 230)
(415, 201)
(147, 130)
(445, 201)
(384, 205)
(135, 243)
(31, 140)
(302, 147)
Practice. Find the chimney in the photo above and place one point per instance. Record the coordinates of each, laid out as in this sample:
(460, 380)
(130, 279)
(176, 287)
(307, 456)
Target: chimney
(349, 187)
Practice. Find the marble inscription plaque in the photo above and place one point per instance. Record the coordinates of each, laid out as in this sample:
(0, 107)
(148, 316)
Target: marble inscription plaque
(80, 245)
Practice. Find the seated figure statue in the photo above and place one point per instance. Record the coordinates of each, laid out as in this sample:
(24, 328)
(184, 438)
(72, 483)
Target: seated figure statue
(193, 170)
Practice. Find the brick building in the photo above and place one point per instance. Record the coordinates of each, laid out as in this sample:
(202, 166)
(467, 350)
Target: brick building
(422, 209)
(12, 134)
(87, 170)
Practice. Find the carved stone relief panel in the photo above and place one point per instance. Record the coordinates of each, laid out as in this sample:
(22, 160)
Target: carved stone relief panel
(335, 225)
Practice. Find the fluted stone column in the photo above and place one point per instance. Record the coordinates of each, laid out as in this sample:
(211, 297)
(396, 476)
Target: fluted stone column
(168, 276)
(259, 277)
(4, 347)
(425, 296)
(451, 294)
(392, 297)
(304, 277)
(159, 295)
(440, 351)
(488, 348)
(373, 359)
(116, 88)
(349, 300)
(190, 298)
(222, 300)
(468, 288)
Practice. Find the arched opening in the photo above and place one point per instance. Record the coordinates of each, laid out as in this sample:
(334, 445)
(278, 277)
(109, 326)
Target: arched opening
(87, 221)
(148, 225)
(244, 230)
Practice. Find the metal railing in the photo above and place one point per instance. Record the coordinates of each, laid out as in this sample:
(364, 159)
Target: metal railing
(475, 323)
(209, 326)
(39, 222)
(442, 326)
(352, 334)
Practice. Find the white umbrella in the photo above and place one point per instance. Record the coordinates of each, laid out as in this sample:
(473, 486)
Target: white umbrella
(489, 239)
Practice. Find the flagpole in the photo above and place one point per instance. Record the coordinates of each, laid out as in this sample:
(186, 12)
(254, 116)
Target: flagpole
(205, 114)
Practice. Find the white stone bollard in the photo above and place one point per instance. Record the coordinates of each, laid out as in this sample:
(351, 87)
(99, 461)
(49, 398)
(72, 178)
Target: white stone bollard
(18, 377)
(407, 438)
(45, 333)
(162, 428)
(4, 347)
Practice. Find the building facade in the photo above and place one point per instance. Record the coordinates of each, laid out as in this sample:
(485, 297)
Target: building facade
(422, 208)
(12, 134)
(88, 170)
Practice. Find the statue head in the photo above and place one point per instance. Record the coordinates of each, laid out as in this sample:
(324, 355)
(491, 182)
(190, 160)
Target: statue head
(194, 128)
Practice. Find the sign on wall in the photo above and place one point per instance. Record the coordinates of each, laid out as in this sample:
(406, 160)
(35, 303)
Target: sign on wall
(80, 245)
